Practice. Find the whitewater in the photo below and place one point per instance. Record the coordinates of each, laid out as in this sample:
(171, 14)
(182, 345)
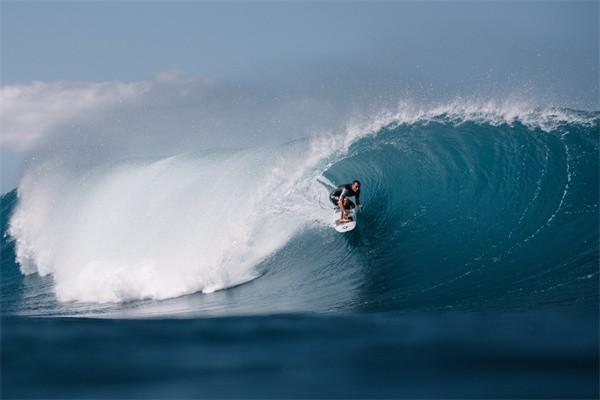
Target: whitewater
(468, 205)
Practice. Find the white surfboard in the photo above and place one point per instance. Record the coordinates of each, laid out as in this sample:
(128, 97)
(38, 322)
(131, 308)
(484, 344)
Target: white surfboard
(344, 226)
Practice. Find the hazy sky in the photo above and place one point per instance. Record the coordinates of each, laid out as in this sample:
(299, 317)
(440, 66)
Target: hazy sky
(549, 49)
(446, 42)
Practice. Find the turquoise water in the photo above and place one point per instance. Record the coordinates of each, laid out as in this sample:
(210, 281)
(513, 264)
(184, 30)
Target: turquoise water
(474, 266)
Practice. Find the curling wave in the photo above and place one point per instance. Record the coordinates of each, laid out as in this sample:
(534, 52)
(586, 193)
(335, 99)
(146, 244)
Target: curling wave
(467, 206)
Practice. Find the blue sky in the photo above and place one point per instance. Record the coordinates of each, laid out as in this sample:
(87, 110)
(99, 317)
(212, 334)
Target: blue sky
(338, 51)
(440, 43)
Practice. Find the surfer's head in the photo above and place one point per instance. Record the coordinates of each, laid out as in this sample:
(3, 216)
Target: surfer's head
(356, 186)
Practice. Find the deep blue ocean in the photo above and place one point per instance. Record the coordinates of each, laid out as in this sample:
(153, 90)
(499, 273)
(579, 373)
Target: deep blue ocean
(473, 272)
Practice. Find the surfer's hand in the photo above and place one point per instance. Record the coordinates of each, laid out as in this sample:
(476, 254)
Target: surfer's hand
(360, 206)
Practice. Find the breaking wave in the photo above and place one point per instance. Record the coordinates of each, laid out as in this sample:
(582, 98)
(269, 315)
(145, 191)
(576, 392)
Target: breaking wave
(468, 206)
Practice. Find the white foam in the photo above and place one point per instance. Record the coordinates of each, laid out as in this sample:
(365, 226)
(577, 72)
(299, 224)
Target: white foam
(164, 228)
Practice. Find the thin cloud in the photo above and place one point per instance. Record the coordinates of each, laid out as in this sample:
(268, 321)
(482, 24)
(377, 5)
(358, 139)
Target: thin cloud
(28, 112)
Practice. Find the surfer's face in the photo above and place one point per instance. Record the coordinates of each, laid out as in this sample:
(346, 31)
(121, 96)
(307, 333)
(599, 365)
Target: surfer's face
(355, 187)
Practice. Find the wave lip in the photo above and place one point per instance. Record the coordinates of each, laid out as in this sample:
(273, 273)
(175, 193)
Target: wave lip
(490, 112)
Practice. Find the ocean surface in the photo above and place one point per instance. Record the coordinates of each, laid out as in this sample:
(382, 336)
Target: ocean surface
(473, 271)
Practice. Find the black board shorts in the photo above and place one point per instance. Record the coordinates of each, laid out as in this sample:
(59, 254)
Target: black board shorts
(336, 199)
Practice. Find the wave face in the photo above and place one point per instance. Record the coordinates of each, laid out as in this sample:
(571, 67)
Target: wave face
(469, 210)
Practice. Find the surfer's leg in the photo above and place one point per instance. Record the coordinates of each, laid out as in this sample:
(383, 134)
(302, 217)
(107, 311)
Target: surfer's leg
(344, 216)
(348, 205)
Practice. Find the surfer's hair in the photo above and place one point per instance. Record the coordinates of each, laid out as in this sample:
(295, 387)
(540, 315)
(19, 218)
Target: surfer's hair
(353, 182)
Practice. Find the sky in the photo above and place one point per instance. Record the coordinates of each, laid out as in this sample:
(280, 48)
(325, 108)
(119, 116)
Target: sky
(64, 52)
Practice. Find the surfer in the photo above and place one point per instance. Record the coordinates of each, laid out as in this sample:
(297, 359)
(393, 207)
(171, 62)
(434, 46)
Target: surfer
(339, 198)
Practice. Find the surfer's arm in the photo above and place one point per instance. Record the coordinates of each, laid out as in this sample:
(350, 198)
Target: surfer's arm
(358, 203)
